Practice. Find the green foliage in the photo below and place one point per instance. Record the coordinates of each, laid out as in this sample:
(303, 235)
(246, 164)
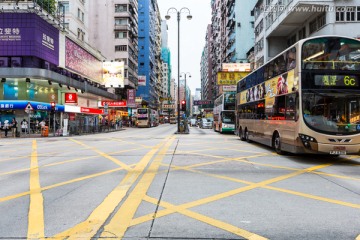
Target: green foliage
(48, 5)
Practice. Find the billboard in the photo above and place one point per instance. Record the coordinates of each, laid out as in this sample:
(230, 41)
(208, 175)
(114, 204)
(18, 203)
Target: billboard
(230, 78)
(27, 34)
(82, 62)
(113, 74)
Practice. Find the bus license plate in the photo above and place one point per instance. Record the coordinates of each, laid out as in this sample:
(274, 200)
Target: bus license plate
(337, 152)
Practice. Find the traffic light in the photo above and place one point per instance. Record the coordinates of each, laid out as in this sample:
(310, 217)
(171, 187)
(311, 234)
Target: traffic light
(183, 105)
(52, 104)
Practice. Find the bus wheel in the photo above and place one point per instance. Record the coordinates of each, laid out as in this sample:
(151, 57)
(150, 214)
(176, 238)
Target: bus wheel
(247, 136)
(241, 134)
(277, 143)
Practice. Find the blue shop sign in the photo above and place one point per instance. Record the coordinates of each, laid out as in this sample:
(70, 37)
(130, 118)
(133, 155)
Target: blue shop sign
(37, 106)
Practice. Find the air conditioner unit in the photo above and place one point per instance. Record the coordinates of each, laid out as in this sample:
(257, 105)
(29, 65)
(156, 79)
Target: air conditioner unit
(239, 24)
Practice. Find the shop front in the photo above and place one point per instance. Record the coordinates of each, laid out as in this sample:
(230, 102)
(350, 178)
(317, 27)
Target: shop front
(32, 112)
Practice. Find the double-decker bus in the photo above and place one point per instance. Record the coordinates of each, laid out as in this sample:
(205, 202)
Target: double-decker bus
(306, 99)
(147, 117)
(224, 113)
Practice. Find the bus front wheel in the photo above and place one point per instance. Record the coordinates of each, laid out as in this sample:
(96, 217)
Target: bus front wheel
(277, 143)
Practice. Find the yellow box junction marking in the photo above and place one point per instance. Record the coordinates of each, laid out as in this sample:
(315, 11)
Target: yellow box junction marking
(36, 208)
(88, 228)
(122, 218)
(208, 220)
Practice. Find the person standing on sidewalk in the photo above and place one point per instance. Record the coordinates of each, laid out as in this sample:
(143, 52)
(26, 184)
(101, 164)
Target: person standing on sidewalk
(6, 127)
(14, 127)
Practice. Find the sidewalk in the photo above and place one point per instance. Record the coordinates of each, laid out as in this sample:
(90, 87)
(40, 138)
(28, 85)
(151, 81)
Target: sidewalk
(51, 134)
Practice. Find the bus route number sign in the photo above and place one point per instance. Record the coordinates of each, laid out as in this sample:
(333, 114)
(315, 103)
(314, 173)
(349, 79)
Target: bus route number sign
(336, 80)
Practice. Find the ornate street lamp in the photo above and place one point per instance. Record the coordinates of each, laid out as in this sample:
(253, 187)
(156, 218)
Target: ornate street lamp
(189, 17)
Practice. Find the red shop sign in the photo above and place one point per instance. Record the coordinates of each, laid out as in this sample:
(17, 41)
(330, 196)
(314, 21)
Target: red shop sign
(114, 104)
(91, 110)
(70, 98)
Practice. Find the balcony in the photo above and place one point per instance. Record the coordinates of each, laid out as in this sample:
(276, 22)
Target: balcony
(124, 27)
(288, 21)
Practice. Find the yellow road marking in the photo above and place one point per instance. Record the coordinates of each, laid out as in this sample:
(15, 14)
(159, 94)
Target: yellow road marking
(4, 199)
(228, 193)
(208, 220)
(338, 202)
(358, 238)
(105, 155)
(36, 208)
(92, 224)
(122, 218)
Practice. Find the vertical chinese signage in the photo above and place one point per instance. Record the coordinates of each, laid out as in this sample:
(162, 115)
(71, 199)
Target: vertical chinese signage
(131, 98)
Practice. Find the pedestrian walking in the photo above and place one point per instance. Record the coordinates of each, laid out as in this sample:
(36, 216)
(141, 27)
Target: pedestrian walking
(14, 127)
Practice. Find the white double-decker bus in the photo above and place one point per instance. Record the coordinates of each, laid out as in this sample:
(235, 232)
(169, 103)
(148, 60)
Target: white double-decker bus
(306, 99)
(147, 117)
(224, 113)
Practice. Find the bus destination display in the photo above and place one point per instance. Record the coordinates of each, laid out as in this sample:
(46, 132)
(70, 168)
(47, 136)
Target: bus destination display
(336, 80)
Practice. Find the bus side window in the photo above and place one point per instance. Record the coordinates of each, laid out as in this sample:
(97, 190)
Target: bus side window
(290, 107)
(291, 59)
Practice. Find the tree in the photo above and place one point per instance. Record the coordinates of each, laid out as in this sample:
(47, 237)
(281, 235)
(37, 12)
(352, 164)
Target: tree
(47, 5)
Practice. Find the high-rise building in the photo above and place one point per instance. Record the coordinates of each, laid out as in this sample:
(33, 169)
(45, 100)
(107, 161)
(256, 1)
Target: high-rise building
(150, 52)
(279, 24)
(114, 32)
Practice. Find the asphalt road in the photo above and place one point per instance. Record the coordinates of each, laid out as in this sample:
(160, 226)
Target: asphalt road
(154, 184)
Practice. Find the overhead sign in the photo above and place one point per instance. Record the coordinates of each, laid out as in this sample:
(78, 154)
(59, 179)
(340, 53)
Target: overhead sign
(230, 78)
(113, 74)
(236, 67)
(169, 106)
(20, 104)
(229, 88)
(138, 99)
(71, 98)
(202, 102)
(112, 104)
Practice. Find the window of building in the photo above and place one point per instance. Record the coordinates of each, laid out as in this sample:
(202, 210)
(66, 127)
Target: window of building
(321, 20)
(120, 48)
(66, 25)
(121, 21)
(79, 13)
(302, 33)
(65, 6)
(82, 17)
(120, 8)
(347, 13)
(312, 26)
(120, 34)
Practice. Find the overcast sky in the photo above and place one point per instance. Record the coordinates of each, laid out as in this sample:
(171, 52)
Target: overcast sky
(192, 36)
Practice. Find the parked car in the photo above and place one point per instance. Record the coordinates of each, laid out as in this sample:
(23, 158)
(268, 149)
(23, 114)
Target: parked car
(206, 123)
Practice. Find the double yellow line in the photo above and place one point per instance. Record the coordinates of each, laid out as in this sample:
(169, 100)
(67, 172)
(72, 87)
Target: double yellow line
(97, 218)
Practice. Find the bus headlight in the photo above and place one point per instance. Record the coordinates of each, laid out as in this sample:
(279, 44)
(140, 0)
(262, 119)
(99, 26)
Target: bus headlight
(306, 140)
(225, 126)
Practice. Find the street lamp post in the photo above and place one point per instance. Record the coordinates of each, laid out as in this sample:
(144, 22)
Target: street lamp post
(185, 74)
(189, 17)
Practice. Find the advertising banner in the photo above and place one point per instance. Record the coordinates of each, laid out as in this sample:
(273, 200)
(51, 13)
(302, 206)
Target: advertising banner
(236, 67)
(112, 103)
(71, 98)
(37, 106)
(230, 78)
(279, 85)
(141, 80)
(113, 74)
(82, 62)
(131, 94)
(27, 34)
